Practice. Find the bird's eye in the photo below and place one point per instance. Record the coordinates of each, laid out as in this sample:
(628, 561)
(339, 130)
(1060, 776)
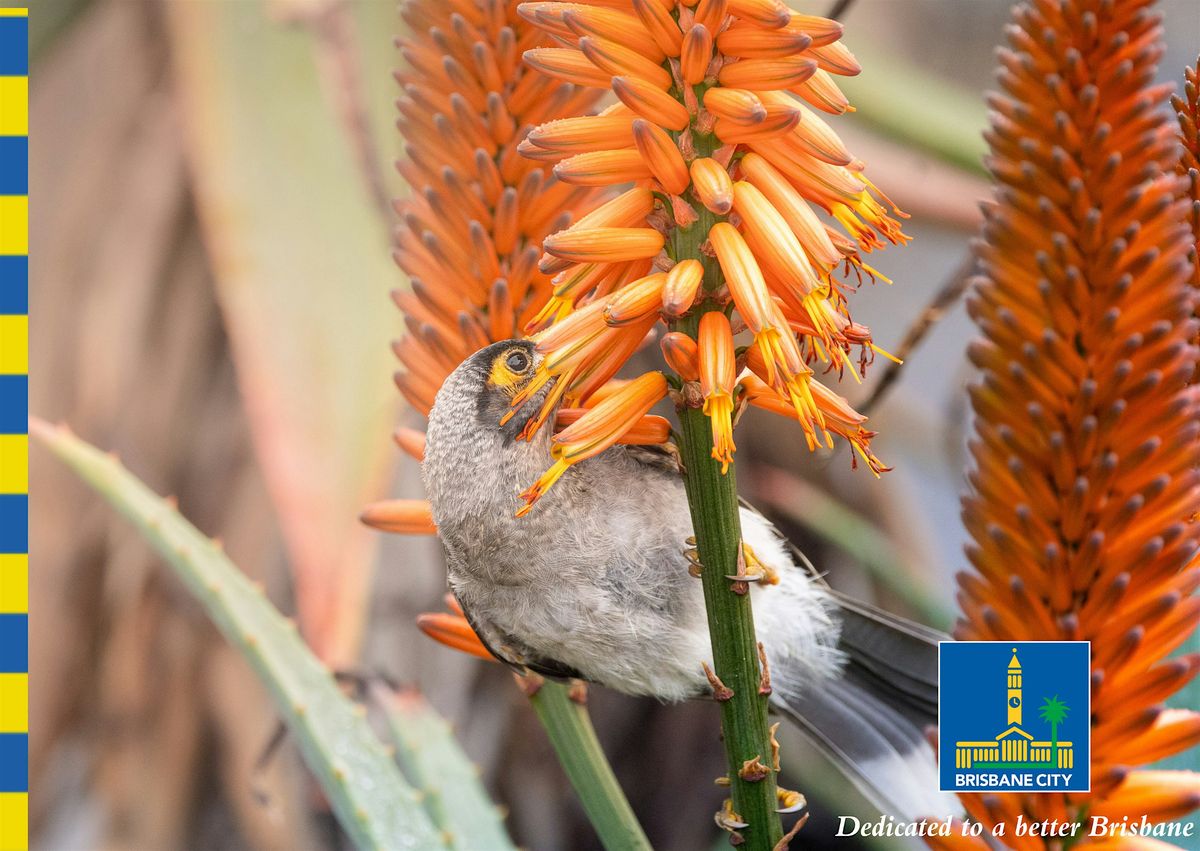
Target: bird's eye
(517, 361)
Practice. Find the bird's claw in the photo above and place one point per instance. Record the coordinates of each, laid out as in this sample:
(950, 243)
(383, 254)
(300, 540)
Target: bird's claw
(727, 819)
(789, 801)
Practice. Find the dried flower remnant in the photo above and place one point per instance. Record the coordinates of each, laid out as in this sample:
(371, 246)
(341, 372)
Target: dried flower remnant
(730, 168)
(1085, 488)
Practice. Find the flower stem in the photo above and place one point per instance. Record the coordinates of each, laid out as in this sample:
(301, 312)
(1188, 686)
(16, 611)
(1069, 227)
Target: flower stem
(714, 505)
(713, 500)
(579, 752)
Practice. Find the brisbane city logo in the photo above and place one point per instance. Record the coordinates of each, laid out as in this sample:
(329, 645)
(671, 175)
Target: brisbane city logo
(1014, 716)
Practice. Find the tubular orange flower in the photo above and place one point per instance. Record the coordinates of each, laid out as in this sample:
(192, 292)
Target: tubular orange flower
(452, 629)
(1084, 494)
(766, 74)
(683, 282)
(404, 516)
(736, 105)
(604, 244)
(650, 430)
(650, 103)
(599, 429)
(601, 168)
(717, 378)
(661, 156)
(696, 54)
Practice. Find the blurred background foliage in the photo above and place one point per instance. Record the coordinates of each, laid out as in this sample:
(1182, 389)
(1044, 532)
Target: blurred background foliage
(210, 264)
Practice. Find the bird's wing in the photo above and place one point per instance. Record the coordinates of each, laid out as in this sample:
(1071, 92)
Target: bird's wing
(885, 650)
(510, 651)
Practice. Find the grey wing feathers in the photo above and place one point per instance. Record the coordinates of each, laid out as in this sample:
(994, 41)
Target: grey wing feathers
(497, 643)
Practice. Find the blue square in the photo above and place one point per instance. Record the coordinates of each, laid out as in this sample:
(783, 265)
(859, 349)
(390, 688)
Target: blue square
(14, 759)
(14, 403)
(14, 165)
(1014, 716)
(14, 523)
(14, 283)
(14, 46)
(14, 644)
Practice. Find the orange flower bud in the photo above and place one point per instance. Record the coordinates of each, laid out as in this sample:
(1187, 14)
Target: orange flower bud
(737, 105)
(820, 30)
(683, 282)
(766, 74)
(836, 59)
(590, 133)
(712, 13)
(712, 184)
(635, 301)
(615, 60)
(661, 156)
(455, 632)
(650, 102)
(411, 442)
(615, 26)
(754, 43)
(662, 27)
(717, 376)
(770, 14)
(777, 122)
(787, 201)
(822, 92)
(603, 168)
(681, 354)
(696, 54)
(564, 63)
(607, 245)
(403, 516)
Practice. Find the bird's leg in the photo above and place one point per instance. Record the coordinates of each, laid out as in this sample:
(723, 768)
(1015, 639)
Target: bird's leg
(751, 569)
(693, 556)
(727, 819)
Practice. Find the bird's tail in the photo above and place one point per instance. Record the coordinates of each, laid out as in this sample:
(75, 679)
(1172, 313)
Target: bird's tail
(872, 720)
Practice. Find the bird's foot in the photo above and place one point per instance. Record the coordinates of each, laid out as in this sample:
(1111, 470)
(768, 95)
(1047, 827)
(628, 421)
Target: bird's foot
(751, 569)
(789, 801)
(727, 819)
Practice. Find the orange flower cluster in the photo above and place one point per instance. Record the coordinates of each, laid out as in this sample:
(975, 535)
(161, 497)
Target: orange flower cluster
(1085, 490)
(470, 233)
(727, 163)
(1187, 109)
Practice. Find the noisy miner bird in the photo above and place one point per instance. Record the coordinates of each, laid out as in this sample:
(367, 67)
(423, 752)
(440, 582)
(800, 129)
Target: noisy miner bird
(594, 583)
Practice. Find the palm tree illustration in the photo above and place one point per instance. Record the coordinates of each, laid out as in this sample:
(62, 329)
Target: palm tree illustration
(1053, 711)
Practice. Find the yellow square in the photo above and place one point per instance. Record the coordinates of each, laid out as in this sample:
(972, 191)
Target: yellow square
(14, 346)
(14, 821)
(14, 221)
(14, 106)
(14, 463)
(14, 584)
(14, 703)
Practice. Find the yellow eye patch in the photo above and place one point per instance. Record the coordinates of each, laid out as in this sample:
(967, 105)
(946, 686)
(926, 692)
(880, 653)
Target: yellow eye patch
(504, 377)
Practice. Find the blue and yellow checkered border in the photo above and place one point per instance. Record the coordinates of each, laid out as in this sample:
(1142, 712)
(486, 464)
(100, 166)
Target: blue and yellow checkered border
(14, 429)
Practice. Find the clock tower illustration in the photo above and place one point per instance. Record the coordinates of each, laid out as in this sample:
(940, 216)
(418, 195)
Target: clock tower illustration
(1015, 747)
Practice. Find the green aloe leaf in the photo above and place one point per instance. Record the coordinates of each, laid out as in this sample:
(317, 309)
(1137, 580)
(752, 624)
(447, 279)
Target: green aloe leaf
(370, 797)
(434, 761)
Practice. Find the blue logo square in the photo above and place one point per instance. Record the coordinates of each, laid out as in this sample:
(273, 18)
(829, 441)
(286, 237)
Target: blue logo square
(1014, 716)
